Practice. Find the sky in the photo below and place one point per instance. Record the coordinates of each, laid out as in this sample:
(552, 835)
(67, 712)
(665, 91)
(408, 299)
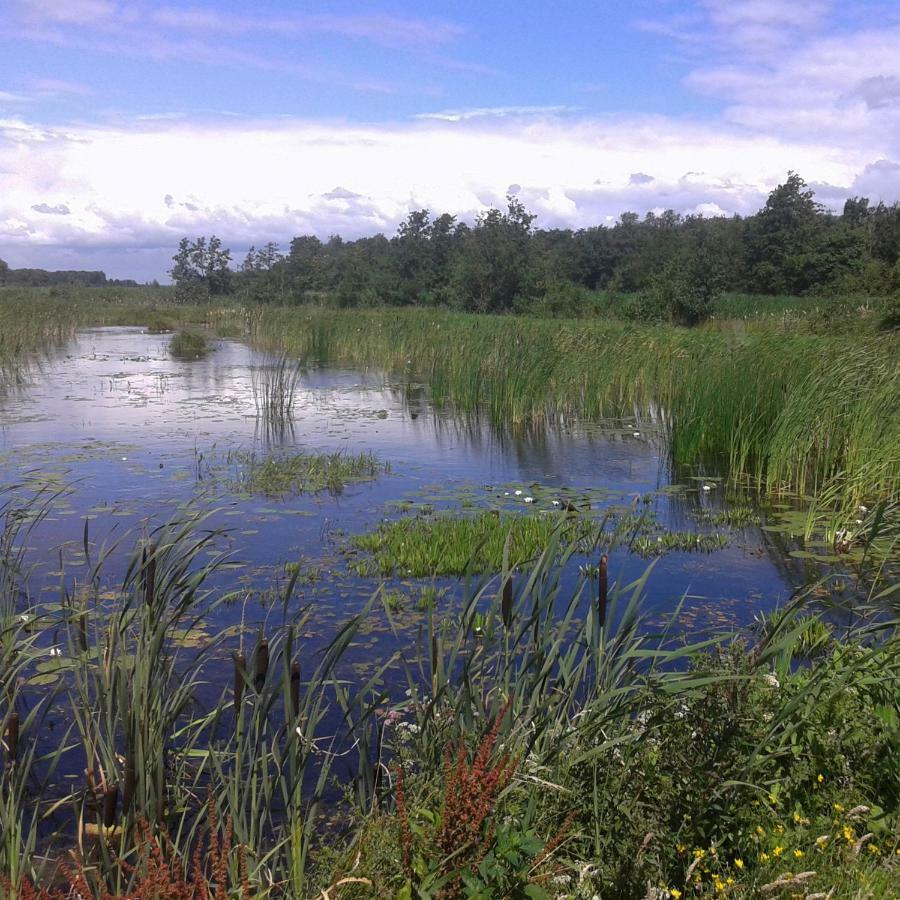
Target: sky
(128, 124)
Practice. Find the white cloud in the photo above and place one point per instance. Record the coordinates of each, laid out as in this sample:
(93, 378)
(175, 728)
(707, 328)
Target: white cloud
(494, 112)
(139, 188)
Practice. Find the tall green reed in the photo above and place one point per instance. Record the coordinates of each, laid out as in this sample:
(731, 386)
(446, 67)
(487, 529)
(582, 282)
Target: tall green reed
(788, 411)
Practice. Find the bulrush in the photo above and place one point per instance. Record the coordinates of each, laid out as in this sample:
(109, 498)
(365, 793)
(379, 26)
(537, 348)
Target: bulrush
(148, 564)
(261, 665)
(110, 803)
(295, 689)
(240, 666)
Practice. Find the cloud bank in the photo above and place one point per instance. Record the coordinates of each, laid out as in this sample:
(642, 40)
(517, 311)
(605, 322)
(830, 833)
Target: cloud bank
(90, 190)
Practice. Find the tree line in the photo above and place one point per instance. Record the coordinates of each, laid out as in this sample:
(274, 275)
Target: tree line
(663, 266)
(67, 277)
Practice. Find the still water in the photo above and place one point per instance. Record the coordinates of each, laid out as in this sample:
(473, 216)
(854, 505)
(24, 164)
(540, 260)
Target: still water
(134, 438)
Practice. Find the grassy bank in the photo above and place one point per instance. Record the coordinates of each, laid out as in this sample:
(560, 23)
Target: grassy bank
(790, 411)
(523, 749)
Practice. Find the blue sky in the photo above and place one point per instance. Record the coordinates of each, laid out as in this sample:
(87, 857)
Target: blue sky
(127, 123)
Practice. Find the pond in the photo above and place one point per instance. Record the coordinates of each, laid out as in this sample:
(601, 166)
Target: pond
(133, 438)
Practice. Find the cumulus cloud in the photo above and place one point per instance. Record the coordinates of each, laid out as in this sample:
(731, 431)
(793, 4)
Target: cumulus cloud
(141, 187)
(794, 69)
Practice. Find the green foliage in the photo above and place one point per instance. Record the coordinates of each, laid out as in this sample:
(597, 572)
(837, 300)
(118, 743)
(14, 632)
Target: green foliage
(189, 344)
(544, 746)
(302, 472)
(786, 408)
(451, 545)
(200, 269)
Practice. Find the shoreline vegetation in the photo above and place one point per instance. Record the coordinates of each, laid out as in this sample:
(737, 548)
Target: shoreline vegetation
(528, 751)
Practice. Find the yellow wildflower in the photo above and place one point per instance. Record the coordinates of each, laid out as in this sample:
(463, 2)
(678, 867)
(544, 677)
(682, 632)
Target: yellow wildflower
(778, 850)
(763, 856)
(873, 848)
(680, 848)
(674, 892)
(798, 818)
(699, 853)
(760, 829)
(838, 808)
(779, 829)
(822, 841)
(739, 864)
(820, 778)
(799, 853)
(729, 880)
(849, 836)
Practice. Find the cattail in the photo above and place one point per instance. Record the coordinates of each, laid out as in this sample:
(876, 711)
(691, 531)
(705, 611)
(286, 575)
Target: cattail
(240, 666)
(261, 665)
(603, 589)
(12, 738)
(110, 801)
(149, 566)
(295, 689)
(506, 603)
(82, 632)
(130, 780)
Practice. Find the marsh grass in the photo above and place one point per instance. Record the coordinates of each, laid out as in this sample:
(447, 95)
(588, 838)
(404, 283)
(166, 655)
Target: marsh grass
(151, 757)
(189, 344)
(275, 386)
(785, 411)
(298, 473)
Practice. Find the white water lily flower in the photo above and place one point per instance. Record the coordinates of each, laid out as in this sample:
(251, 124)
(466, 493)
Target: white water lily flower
(636, 433)
(529, 499)
(55, 651)
(518, 493)
(556, 502)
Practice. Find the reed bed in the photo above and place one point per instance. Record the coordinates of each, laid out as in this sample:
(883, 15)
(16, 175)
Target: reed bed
(788, 412)
(533, 733)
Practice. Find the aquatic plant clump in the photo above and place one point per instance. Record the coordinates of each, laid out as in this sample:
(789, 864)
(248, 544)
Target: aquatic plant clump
(454, 545)
(299, 473)
(189, 344)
